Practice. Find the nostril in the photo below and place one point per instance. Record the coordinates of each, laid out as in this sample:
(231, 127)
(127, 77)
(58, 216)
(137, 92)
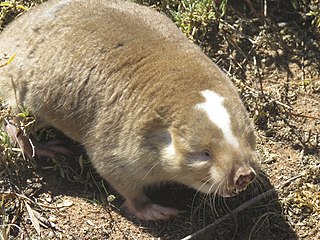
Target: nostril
(245, 179)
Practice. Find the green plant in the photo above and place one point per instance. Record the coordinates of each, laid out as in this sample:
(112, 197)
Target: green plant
(8, 60)
(310, 8)
(194, 16)
(315, 13)
(10, 9)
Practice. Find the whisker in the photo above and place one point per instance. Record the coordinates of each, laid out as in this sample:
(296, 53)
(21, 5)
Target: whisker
(214, 198)
(185, 176)
(154, 165)
(197, 192)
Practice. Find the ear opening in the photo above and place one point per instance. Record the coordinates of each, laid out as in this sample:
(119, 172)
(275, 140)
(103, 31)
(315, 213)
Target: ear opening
(159, 138)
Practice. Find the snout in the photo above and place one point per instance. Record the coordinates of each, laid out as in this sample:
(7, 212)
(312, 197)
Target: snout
(243, 177)
(238, 181)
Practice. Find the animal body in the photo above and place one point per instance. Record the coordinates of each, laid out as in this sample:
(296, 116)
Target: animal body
(145, 102)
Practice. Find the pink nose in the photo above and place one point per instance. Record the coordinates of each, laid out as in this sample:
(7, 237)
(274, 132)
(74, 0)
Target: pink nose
(244, 177)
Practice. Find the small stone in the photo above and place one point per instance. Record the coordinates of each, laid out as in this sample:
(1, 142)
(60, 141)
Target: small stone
(90, 222)
(53, 219)
(48, 199)
(65, 203)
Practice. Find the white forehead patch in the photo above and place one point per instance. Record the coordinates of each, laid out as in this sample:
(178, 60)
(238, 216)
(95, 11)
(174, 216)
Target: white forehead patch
(218, 114)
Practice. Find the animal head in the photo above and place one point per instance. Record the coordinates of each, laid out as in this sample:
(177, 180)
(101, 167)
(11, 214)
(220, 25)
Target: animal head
(213, 148)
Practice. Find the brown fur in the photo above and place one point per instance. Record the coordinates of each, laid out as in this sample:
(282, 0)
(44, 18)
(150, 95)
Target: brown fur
(123, 80)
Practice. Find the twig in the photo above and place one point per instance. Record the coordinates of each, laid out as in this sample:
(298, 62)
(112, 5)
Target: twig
(250, 39)
(9, 195)
(260, 16)
(304, 116)
(257, 73)
(236, 210)
(242, 207)
(290, 180)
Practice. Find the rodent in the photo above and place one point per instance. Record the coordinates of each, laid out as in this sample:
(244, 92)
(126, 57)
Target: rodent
(147, 104)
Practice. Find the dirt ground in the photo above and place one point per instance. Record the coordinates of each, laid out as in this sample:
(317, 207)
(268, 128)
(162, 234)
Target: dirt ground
(278, 79)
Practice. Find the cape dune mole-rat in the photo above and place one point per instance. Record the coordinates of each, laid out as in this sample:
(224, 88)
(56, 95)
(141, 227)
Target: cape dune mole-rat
(146, 103)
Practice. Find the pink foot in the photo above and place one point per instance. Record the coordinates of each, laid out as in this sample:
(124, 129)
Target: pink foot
(31, 149)
(151, 211)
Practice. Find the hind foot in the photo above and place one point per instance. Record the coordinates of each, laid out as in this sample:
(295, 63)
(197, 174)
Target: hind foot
(31, 148)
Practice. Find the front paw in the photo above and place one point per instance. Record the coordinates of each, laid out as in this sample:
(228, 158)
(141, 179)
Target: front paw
(150, 211)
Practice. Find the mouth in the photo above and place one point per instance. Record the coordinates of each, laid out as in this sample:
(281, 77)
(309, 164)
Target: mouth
(227, 188)
(232, 191)
(208, 187)
(227, 193)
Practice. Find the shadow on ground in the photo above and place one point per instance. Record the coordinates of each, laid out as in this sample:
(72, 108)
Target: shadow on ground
(199, 214)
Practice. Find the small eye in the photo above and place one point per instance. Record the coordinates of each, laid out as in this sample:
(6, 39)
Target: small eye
(206, 154)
